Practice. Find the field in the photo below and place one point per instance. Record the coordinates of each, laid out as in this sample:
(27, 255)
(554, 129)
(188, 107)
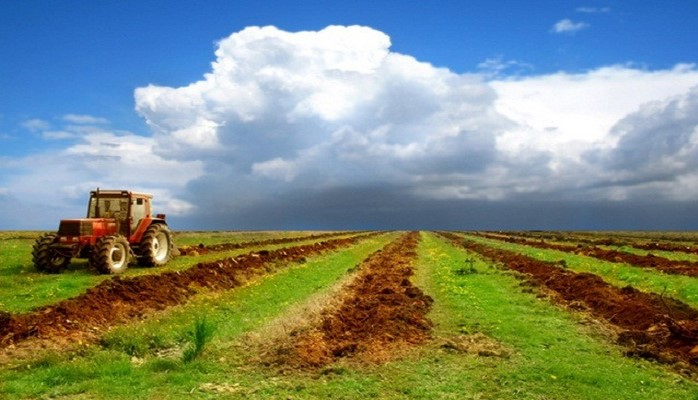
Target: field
(347, 315)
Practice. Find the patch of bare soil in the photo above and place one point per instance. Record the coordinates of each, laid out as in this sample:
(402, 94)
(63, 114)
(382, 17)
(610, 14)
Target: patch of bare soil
(477, 344)
(380, 312)
(663, 264)
(651, 325)
(120, 299)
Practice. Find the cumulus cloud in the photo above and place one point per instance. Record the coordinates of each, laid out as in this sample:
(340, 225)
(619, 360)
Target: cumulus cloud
(656, 151)
(324, 108)
(293, 114)
(568, 26)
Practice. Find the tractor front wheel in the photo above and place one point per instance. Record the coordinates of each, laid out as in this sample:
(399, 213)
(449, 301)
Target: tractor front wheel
(156, 246)
(45, 258)
(110, 255)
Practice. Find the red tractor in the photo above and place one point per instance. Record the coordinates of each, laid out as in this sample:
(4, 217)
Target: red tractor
(119, 227)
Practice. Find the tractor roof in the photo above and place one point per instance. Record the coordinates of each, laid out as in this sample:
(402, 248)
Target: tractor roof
(120, 193)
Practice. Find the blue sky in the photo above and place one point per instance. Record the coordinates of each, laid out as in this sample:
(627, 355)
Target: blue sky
(466, 113)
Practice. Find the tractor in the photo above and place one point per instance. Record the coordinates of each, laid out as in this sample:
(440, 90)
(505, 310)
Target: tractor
(118, 229)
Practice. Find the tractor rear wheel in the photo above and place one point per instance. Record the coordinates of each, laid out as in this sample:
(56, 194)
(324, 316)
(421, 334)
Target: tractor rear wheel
(110, 255)
(156, 245)
(45, 258)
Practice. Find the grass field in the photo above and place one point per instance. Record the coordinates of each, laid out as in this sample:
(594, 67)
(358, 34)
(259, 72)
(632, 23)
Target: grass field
(493, 336)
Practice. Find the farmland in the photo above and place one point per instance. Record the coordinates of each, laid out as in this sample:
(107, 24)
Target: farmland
(467, 315)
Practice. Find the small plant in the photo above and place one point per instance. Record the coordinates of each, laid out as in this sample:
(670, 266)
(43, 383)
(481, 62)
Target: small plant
(203, 332)
(470, 269)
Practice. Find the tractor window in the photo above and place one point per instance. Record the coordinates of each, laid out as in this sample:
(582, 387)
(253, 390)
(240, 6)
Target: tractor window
(138, 211)
(109, 208)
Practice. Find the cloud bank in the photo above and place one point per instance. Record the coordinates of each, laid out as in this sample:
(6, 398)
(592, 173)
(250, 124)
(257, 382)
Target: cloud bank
(332, 129)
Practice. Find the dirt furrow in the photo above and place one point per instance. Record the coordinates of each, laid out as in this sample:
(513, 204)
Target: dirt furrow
(205, 249)
(665, 265)
(120, 299)
(643, 244)
(652, 326)
(379, 312)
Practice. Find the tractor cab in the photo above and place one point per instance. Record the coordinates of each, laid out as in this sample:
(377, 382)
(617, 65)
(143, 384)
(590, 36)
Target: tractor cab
(128, 209)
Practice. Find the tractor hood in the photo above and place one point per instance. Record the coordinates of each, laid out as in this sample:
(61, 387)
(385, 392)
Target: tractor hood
(87, 227)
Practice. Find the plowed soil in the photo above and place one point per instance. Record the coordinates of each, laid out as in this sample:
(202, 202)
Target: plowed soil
(608, 241)
(665, 265)
(205, 249)
(120, 299)
(651, 325)
(380, 312)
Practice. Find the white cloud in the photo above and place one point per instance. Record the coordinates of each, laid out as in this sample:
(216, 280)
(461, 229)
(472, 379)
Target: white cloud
(277, 168)
(593, 10)
(285, 112)
(84, 119)
(568, 26)
(58, 181)
(58, 135)
(498, 66)
(563, 108)
(330, 106)
(35, 124)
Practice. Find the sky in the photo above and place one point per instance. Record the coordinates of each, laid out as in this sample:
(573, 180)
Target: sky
(242, 115)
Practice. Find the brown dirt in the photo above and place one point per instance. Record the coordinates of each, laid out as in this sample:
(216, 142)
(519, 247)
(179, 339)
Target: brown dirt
(665, 265)
(643, 244)
(667, 247)
(380, 313)
(119, 299)
(205, 249)
(651, 325)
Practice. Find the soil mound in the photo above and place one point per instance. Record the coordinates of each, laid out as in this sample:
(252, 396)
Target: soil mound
(380, 312)
(204, 249)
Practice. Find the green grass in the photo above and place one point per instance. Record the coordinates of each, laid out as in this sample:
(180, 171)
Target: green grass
(129, 363)
(680, 287)
(22, 288)
(553, 354)
(550, 353)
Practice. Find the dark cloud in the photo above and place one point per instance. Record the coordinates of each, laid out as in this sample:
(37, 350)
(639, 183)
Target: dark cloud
(661, 135)
(382, 207)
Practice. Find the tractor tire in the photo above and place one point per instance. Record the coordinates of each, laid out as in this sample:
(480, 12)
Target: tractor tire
(156, 246)
(46, 259)
(110, 255)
